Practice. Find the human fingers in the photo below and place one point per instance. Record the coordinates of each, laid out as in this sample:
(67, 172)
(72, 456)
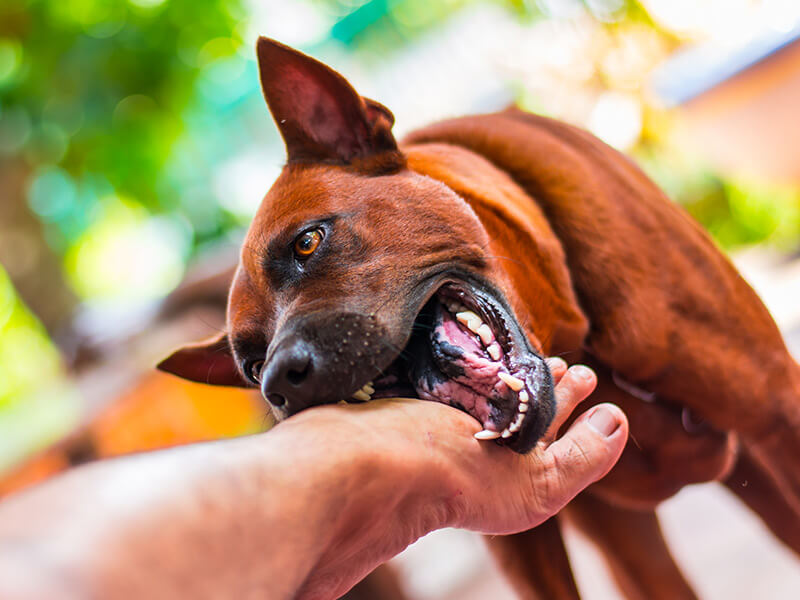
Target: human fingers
(574, 386)
(584, 454)
(557, 366)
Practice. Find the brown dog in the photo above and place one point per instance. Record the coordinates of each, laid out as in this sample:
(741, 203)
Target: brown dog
(447, 267)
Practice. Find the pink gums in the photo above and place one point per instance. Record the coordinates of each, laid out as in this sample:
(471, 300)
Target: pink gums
(479, 382)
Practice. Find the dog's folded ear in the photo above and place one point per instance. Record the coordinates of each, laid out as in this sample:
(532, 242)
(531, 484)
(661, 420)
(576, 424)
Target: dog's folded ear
(319, 114)
(208, 362)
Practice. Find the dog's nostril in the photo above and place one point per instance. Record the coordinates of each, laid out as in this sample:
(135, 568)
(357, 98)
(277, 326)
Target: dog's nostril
(297, 377)
(276, 399)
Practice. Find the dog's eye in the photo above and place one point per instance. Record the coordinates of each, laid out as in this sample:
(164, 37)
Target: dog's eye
(307, 243)
(253, 370)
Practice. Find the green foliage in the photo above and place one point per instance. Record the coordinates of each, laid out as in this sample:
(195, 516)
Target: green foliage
(36, 403)
(26, 353)
(100, 89)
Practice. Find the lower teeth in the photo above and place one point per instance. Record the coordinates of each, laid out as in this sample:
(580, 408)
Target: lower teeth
(473, 322)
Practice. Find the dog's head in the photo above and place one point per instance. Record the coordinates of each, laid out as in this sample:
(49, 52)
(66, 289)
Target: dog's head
(360, 278)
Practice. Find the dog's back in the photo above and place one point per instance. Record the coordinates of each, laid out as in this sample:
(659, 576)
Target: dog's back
(667, 310)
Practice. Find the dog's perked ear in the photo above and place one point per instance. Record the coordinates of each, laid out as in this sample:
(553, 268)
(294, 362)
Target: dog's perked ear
(319, 114)
(208, 362)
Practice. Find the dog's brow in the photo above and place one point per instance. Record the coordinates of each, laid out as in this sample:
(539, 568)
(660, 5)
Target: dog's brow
(248, 342)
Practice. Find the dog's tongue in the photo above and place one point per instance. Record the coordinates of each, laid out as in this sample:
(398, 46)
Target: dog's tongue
(460, 372)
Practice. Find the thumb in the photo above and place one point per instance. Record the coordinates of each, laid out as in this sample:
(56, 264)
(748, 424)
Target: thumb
(585, 453)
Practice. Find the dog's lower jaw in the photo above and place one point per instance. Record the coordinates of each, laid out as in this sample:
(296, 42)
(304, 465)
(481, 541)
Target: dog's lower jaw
(467, 351)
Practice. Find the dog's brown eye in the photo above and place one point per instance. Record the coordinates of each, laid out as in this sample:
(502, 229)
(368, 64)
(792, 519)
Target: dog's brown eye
(305, 245)
(253, 370)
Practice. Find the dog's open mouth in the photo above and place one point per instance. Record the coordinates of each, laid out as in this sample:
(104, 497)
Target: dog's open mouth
(466, 350)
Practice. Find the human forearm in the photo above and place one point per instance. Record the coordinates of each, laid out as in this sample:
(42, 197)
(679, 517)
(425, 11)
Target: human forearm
(303, 511)
(279, 507)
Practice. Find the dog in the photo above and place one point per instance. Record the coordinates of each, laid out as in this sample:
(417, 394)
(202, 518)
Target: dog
(448, 266)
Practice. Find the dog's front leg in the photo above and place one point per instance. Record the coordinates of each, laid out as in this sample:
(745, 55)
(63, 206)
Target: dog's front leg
(536, 563)
(634, 548)
(777, 448)
(755, 487)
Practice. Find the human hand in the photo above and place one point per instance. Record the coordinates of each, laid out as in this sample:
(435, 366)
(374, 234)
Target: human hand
(303, 511)
(428, 472)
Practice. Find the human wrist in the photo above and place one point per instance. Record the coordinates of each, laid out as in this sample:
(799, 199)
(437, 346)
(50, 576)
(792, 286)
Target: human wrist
(388, 493)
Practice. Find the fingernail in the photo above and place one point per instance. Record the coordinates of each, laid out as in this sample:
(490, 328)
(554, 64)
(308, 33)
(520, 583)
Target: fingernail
(555, 362)
(603, 421)
(582, 372)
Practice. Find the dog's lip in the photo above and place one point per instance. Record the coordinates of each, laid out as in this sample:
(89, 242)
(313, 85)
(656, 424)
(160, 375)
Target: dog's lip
(482, 298)
(518, 357)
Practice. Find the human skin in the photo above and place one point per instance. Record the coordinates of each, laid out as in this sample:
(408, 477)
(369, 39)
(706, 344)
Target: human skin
(303, 511)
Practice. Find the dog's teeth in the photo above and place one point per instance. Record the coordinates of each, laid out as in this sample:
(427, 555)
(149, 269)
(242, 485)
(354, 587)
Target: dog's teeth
(470, 319)
(523, 407)
(361, 395)
(485, 333)
(511, 381)
(343, 402)
(523, 397)
(517, 424)
(494, 351)
(487, 434)
(505, 434)
(368, 389)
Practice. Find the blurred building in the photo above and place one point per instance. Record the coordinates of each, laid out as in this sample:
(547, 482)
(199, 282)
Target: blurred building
(738, 104)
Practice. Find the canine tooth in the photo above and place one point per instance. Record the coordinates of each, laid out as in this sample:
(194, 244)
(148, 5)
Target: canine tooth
(511, 381)
(523, 397)
(506, 434)
(494, 351)
(523, 407)
(368, 388)
(361, 395)
(485, 333)
(487, 434)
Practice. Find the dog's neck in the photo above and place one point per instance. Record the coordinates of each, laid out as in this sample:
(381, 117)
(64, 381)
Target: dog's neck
(525, 253)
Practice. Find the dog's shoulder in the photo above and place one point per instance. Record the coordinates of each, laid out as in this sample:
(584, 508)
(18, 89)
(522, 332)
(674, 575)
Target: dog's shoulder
(644, 271)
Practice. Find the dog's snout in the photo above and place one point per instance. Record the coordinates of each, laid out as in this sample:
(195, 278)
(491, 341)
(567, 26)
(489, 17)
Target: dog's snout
(286, 379)
(322, 358)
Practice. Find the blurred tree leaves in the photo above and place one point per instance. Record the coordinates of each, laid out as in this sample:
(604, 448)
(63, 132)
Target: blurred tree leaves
(98, 87)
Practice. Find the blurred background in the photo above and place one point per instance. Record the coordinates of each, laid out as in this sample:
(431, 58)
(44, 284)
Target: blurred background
(135, 147)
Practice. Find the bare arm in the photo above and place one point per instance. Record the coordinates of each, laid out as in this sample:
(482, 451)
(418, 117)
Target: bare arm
(305, 510)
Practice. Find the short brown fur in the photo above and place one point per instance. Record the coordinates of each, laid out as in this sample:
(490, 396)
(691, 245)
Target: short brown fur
(597, 264)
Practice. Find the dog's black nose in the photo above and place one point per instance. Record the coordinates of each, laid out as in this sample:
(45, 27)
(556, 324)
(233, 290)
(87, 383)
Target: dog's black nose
(286, 380)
